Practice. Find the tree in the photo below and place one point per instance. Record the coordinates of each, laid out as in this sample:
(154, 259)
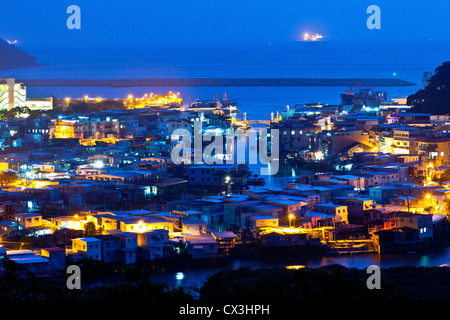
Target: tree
(14, 271)
(15, 112)
(89, 229)
(435, 97)
(8, 177)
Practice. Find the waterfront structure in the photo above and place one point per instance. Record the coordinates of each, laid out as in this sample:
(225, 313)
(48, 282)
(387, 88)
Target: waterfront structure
(202, 246)
(422, 223)
(14, 95)
(264, 221)
(338, 213)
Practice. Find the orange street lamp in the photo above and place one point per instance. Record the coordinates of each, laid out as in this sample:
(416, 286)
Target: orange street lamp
(291, 216)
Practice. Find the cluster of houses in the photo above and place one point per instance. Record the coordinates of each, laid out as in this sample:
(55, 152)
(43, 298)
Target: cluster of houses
(113, 170)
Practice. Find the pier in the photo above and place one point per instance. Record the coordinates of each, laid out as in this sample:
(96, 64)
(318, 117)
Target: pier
(350, 247)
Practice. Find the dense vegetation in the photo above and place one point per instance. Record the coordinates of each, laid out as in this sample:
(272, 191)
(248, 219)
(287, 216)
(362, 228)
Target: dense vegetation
(99, 281)
(332, 283)
(80, 107)
(435, 97)
(327, 283)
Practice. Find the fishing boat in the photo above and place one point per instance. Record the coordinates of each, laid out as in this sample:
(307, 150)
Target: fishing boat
(358, 95)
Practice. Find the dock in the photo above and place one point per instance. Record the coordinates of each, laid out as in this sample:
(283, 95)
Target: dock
(350, 247)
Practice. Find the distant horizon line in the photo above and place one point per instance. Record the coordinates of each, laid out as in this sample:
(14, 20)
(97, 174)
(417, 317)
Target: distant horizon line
(161, 45)
(217, 82)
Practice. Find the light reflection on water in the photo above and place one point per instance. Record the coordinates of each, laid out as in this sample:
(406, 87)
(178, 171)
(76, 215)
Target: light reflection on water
(196, 277)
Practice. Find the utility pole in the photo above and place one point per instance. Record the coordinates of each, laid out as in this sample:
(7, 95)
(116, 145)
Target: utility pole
(407, 197)
(240, 223)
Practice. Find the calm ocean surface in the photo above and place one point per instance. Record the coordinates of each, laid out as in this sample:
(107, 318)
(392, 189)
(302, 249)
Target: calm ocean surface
(407, 61)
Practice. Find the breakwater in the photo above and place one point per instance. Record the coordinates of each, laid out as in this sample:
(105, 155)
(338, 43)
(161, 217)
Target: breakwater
(215, 82)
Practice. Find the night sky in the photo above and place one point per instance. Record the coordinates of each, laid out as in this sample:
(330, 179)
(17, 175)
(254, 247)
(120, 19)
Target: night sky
(155, 23)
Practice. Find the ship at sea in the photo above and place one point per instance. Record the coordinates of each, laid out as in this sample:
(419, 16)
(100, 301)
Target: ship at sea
(359, 95)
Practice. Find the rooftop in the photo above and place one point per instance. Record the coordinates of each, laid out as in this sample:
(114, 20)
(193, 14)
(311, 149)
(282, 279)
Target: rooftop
(104, 237)
(87, 239)
(329, 204)
(264, 217)
(224, 234)
(206, 238)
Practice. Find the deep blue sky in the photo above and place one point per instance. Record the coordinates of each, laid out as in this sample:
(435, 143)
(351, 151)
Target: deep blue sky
(162, 22)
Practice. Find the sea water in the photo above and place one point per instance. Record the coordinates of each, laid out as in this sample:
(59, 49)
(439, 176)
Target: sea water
(406, 61)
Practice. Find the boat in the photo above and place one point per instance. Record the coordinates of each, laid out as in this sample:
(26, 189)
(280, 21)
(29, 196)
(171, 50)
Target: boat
(361, 95)
(255, 181)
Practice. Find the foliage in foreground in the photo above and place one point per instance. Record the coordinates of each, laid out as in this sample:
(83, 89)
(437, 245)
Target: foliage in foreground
(329, 283)
(332, 283)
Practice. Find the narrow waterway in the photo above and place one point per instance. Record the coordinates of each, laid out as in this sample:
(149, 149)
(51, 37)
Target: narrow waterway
(195, 277)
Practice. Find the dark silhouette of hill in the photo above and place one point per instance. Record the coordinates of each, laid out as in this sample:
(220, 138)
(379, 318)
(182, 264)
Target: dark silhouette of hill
(435, 97)
(12, 57)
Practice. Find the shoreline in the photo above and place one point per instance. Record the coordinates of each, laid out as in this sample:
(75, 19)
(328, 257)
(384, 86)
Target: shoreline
(37, 65)
(216, 82)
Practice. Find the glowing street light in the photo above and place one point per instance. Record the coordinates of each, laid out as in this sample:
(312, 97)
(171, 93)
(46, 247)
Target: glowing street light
(319, 155)
(98, 164)
(291, 217)
(179, 276)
